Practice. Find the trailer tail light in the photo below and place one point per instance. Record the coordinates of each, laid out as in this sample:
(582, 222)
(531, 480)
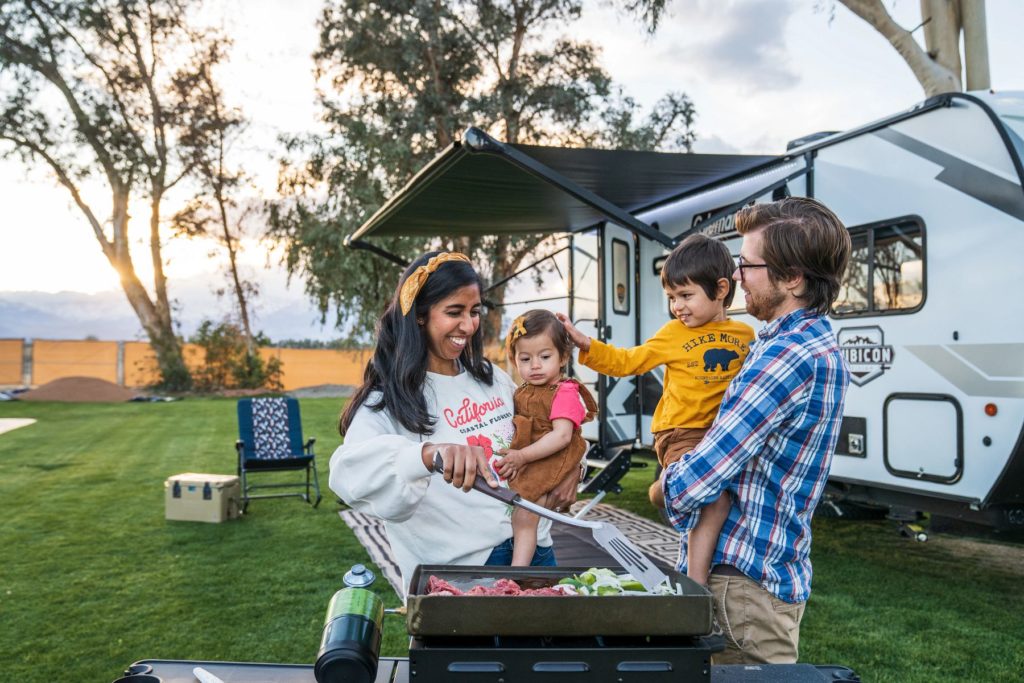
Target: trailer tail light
(991, 409)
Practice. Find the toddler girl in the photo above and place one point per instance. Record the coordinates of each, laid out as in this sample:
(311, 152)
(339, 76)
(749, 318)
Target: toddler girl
(548, 413)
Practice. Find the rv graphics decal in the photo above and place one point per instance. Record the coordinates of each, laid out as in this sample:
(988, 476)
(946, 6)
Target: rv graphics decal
(992, 370)
(997, 192)
(726, 225)
(866, 353)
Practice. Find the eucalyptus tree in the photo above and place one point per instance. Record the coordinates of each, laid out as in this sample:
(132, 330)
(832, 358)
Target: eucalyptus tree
(217, 210)
(102, 93)
(937, 66)
(399, 81)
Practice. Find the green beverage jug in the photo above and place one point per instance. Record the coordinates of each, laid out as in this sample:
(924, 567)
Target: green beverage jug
(350, 645)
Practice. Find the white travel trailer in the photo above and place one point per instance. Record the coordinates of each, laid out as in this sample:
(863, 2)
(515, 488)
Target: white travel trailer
(927, 318)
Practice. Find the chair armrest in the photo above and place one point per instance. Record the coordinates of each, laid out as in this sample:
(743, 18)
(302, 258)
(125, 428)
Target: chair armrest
(239, 445)
(308, 447)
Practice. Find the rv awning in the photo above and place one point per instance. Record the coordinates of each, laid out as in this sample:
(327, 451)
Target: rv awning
(481, 186)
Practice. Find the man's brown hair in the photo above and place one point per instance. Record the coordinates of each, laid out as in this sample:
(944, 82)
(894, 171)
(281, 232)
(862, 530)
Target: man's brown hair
(801, 237)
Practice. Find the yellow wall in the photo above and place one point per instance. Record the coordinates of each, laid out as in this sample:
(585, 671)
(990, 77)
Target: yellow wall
(11, 351)
(55, 359)
(140, 368)
(310, 367)
(301, 367)
(52, 359)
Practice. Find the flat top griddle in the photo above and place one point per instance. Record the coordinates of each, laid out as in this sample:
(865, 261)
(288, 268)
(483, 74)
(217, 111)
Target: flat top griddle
(688, 614)
(396, 670)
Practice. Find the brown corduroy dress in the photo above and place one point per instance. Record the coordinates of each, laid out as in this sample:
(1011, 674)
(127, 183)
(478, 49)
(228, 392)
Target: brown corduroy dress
(532, 421)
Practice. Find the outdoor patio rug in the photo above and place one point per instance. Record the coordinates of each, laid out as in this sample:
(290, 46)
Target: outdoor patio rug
(574, 547)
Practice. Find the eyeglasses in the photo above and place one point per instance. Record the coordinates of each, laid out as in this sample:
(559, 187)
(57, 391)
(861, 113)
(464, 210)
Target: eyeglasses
(740, 265)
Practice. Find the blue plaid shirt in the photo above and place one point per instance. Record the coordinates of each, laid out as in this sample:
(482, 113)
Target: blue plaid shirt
(770, 447)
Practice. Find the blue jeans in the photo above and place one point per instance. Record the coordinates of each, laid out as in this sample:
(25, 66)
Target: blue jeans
(502, 555)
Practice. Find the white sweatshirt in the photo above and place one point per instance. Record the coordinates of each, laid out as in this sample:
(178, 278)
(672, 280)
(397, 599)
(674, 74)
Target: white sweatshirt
(379, 470)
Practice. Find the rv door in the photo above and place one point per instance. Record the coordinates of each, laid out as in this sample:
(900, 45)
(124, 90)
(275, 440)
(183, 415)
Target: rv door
(619, 304)
(604, 305)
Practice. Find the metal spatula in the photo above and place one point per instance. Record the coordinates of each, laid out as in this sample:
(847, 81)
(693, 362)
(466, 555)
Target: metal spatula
(606, 535)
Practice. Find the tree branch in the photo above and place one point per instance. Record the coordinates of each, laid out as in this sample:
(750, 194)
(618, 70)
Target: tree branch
(65, 179)
(932, 76)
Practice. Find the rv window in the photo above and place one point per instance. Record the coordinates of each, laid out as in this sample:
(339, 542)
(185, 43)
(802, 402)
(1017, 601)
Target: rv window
(853, 295)
(585, 273)
(885, 274)
(734, 243)
(620, 277)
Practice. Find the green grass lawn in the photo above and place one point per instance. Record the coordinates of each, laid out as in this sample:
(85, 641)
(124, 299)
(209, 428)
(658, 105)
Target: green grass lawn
(93, 577)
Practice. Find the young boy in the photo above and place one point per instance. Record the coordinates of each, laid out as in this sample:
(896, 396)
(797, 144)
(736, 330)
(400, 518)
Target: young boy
(702, 350)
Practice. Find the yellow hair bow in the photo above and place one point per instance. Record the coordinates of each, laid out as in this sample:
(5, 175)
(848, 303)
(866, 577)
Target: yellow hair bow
(517, 330)
(412, 286)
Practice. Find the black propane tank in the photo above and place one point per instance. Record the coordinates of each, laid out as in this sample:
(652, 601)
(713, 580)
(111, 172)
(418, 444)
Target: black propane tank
(350, 645)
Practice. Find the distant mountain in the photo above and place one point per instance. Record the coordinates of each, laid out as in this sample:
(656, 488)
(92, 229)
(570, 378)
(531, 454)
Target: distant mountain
(279, 313)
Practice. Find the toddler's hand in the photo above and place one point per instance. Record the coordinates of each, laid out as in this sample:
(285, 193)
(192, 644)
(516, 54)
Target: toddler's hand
(511, 463)
(581, 340)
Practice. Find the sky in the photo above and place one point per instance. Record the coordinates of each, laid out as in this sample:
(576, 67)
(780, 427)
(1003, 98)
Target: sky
(759, 72)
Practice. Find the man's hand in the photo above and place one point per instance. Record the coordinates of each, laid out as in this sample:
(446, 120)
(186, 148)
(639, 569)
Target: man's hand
(462, 463)
(564, 494)
(581, 340)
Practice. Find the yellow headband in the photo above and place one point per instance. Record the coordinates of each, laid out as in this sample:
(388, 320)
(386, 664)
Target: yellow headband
(412, 286)
(518, 330)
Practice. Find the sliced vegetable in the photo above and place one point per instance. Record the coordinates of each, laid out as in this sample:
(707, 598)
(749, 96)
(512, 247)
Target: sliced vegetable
(603, 581)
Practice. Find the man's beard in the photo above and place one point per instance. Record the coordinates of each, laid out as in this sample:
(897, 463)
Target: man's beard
(763, 306)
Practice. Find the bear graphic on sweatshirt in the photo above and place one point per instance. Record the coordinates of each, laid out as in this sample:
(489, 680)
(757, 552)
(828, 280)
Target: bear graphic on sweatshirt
(719, 358)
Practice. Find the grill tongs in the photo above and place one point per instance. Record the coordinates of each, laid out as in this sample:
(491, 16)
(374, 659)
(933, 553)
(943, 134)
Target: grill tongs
(607, 536)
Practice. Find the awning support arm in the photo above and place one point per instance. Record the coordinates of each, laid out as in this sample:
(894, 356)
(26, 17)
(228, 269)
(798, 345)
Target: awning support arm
(736, 206)
(519, 272)
(478, 141)
(360, 244)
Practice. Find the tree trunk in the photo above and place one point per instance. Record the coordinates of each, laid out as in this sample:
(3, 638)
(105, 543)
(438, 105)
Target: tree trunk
(972, 14)
(236, 280)
(933, 76)
(942, 33)
(158, 328)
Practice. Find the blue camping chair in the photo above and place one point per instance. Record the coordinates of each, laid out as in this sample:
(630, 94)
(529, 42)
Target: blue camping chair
(270, 440)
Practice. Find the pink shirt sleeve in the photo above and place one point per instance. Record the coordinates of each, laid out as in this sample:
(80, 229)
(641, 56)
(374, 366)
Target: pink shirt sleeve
(567, 404)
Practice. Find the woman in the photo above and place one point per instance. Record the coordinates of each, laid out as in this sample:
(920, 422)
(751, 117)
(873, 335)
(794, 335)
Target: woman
(429, 390)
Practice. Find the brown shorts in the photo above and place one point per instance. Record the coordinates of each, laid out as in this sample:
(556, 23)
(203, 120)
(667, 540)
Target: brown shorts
(672, 444)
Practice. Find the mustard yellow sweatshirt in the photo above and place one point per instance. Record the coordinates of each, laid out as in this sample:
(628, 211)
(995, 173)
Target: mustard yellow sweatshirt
(699, 364)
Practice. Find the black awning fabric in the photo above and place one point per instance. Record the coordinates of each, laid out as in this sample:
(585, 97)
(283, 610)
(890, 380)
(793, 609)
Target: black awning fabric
(465, 192)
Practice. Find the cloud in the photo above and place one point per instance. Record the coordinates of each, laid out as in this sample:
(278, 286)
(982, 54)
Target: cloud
(713, 144)
(740, 41)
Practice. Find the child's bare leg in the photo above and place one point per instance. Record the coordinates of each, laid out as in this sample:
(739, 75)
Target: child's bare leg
(524, 536)
(704, 538)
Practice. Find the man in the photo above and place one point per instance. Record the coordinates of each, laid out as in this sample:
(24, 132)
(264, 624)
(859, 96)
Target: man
(773, 439)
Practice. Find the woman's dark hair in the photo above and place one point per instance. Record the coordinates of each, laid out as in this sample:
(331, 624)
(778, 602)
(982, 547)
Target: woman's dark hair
(398, 368)
(539, 321)
(703, 261)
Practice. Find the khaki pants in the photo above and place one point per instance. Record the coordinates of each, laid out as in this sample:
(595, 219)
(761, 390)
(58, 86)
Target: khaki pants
(757, 626)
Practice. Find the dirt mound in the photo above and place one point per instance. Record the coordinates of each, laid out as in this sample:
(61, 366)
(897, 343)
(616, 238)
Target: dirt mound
(79, 390)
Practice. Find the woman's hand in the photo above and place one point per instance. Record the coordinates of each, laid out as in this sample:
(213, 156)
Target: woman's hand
(512, 463)
(462, 463)
(564, 494)
(581, 340)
